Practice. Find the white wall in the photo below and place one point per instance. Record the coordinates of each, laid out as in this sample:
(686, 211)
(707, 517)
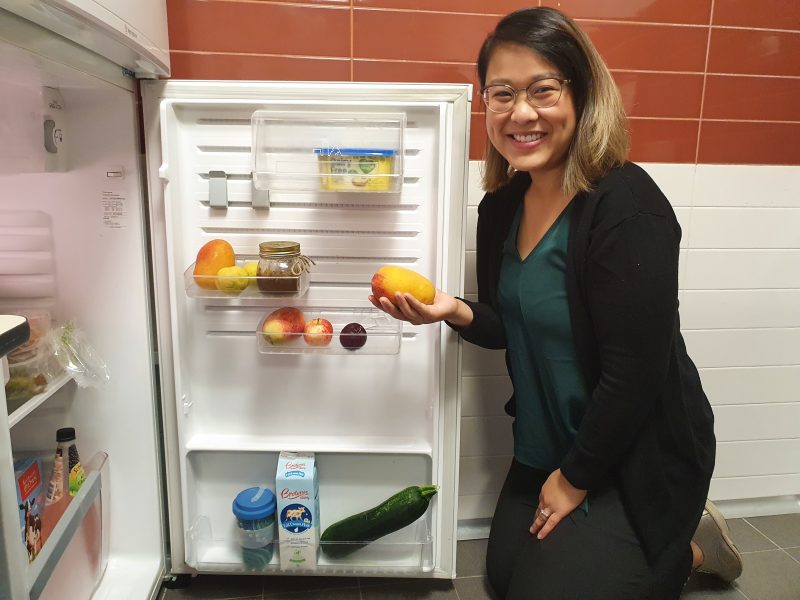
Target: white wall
(740, 316)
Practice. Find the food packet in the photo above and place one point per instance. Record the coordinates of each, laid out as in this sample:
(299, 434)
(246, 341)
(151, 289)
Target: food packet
(77, 356)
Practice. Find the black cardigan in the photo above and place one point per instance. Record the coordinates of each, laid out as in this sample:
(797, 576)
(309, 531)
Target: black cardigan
(648, 426)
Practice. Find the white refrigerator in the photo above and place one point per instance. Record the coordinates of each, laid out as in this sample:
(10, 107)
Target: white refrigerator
(102, 227)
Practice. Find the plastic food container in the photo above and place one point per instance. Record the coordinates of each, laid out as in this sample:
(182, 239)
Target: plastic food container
(28, 378)
(254, 509)
(357, 169)
(39, 322)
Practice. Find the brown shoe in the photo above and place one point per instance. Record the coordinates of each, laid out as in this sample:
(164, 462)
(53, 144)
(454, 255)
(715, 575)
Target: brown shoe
(720, 556)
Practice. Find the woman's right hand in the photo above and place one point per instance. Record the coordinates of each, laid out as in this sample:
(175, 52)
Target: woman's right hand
(408, 308)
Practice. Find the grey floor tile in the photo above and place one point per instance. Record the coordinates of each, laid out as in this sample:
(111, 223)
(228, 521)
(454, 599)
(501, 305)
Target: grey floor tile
(471, 558)
(278, 585)
(795, 552)
(707, 587)
(432, 589)
(350, 593)
(473, 588)
(770, 575)
(219, 587)
(784, 530)
(747, 538)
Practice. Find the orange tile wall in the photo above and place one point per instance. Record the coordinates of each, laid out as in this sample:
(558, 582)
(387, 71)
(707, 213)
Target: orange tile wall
(705, 81)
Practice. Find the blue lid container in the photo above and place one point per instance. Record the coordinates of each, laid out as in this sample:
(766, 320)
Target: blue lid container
(253, 504)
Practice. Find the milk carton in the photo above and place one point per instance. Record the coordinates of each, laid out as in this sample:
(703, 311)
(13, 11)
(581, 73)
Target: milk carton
(297, 491)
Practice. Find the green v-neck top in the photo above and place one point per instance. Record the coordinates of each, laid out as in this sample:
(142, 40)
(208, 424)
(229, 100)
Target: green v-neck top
(551, 396)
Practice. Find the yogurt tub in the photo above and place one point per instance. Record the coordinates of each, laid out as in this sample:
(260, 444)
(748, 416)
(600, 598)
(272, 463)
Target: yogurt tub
(357, 169)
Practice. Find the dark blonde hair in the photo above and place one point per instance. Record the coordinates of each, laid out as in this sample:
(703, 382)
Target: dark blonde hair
(601, 141)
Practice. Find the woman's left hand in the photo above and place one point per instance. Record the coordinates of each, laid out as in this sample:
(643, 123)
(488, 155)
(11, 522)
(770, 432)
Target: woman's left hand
(407, 308)
(557, 499)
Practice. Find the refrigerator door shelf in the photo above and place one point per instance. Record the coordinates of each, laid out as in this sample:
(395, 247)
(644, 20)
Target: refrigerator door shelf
(337, 331)
(319, 444)
(348, 484)
(238, 287)
(75, 555)
(406, 552)
(353, 151)
(20, 410)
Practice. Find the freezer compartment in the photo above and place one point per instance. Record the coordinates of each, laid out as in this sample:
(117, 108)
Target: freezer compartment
(251, 286)
(327, 151)
(333, 331)
(75, 555)
(348, 484)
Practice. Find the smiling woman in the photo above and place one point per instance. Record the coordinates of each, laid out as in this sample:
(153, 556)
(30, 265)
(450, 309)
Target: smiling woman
(577, 268)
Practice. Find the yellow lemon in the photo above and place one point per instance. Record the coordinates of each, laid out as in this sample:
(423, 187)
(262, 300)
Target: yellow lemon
(251, 268)
(252, 271)
(232, 280)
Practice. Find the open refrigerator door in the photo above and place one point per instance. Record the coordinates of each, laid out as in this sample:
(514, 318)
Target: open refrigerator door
(73, 249)
(354, 177)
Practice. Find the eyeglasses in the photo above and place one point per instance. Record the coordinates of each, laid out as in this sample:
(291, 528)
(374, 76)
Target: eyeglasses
(544, 93)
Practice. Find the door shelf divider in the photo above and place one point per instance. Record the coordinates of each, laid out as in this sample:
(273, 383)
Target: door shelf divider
(352, 444)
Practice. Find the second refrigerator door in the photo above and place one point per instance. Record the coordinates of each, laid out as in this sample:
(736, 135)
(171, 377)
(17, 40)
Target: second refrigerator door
(273, 204)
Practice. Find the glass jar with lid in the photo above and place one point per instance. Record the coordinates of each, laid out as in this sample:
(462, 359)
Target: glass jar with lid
(281, 267)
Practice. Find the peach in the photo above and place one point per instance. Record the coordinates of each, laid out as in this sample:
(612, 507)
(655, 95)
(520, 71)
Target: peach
(213, 256)
(389, 280)
(318, 332)
(283, 325)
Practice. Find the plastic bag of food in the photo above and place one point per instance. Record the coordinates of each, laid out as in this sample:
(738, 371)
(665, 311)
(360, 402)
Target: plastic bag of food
(77, 356)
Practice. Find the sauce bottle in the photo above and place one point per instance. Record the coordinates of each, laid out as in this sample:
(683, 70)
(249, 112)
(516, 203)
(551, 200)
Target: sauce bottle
(65, 481)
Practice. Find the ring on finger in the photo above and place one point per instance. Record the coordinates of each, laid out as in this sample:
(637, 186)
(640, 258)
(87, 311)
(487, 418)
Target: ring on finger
(543, 512)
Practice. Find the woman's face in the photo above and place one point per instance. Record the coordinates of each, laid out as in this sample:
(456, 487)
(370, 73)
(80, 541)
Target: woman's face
(530, 139)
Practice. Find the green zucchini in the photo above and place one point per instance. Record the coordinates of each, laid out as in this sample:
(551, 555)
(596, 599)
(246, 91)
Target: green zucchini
(394, 513)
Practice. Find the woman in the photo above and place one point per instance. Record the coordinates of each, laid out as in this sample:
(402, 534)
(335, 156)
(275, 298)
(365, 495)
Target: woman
(578, 280)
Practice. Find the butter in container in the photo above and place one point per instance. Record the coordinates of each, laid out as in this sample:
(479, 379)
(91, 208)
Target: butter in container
(357, 169)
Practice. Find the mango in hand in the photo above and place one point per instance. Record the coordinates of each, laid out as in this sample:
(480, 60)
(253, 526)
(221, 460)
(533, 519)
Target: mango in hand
(389, 280)
(213, 256)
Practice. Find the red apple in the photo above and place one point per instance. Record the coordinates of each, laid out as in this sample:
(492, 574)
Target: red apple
(318, 332)
(283, 325)
(353, 336)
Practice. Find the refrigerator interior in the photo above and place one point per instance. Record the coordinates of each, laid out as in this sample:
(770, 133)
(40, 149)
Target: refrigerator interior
(379, 418)
(72, 243)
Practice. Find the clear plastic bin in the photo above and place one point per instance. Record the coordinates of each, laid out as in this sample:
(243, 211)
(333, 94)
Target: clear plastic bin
(406, 552)
(254, 286)
(379, 333)
(31, 377)
(328, 151)
(39, 322)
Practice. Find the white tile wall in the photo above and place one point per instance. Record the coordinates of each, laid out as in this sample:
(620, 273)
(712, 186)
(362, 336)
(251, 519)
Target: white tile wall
(751, 385)
(728, 227)
(739, 309)
(740, 314)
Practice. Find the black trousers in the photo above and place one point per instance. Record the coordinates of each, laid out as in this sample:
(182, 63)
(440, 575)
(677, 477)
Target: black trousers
(594, 556)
